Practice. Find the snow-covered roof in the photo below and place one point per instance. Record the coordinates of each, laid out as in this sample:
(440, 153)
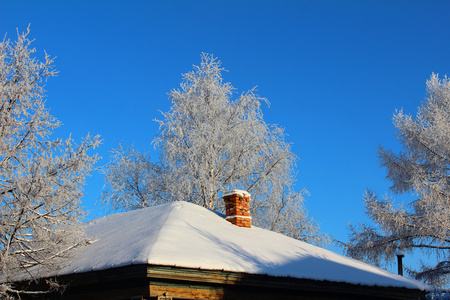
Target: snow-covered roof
(186, 235)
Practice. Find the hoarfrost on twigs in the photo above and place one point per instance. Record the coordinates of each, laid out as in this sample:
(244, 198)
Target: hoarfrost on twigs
(209, 143)
(40, 179)
(422, 171)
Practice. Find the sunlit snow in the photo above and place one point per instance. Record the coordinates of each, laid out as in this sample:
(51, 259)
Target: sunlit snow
(186, 235)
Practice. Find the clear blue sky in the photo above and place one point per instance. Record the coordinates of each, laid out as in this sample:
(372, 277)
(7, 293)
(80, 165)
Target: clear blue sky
(334, 72)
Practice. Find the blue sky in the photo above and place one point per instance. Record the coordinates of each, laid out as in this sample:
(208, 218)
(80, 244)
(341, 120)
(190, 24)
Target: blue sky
(334, 72)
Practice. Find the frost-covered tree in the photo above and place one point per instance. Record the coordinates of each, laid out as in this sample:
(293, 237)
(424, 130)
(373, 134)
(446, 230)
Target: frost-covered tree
(133, 180)
(40, 179)
(421, 170)
(209, 143)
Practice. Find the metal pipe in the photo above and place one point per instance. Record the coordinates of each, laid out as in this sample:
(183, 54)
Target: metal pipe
(400, 254)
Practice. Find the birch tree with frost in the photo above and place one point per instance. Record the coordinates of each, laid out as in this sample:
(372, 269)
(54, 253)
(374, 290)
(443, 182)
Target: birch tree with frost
(421, 170)
(133, 180)
(40, 179)
(209, 143)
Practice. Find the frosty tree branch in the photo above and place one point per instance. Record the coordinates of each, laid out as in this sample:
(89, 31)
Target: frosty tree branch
(209, 143)
(422, 171)
(40, 179)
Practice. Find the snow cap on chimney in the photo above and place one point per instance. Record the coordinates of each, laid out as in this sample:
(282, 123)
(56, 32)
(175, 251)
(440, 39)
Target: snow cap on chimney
(237, 207)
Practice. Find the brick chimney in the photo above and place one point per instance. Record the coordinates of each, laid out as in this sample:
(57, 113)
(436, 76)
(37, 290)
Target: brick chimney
(237, 208)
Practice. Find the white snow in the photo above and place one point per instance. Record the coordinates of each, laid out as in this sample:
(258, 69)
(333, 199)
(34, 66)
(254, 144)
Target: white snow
(186, 235)
(239, 192)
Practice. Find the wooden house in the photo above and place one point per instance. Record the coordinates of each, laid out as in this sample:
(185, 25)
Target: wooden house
(183, 251)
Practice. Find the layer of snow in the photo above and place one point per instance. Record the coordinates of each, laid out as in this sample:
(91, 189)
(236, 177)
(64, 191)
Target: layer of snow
(239, 192)
(186, 235)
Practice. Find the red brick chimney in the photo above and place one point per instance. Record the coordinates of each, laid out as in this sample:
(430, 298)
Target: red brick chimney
(237, 207)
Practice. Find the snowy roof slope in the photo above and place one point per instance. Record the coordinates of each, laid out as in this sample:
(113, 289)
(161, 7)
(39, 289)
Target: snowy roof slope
(186, 235)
